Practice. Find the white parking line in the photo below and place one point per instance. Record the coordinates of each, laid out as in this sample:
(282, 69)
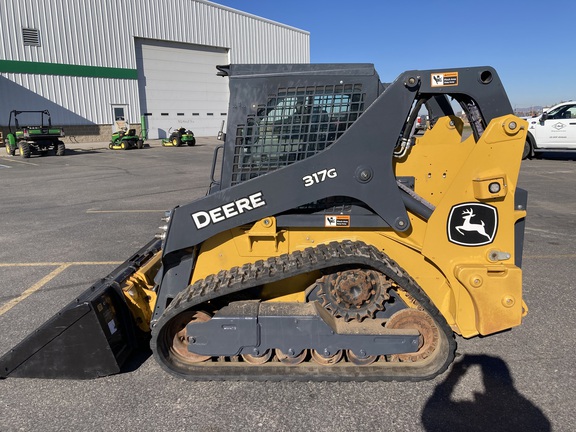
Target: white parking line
(38, 285)
(559, 256)
(547, 233)
(32, 289)
(52, 264)
(124, 211)
(23, 162)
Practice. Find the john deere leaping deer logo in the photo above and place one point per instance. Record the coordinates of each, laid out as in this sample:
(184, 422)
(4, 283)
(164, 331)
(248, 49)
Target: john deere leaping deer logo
(469, 226)
(472, 224)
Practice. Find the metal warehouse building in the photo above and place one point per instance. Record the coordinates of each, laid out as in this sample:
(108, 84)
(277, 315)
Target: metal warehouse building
(96, 64)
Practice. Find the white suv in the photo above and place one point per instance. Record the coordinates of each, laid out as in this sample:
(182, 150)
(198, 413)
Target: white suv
(555, 130)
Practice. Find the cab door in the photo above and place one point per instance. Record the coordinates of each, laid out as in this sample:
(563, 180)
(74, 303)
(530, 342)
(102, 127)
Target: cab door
(557, 129)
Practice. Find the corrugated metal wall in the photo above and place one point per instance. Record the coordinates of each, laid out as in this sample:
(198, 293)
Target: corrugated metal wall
(70, 100)
(101, 33)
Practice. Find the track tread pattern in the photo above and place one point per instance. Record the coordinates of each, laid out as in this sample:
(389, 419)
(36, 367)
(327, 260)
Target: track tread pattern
(273, 269)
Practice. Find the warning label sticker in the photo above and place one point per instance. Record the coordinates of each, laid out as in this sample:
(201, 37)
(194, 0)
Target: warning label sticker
(337, 221)
(444, 79)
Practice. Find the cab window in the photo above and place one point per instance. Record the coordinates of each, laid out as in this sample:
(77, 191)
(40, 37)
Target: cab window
(563, 112)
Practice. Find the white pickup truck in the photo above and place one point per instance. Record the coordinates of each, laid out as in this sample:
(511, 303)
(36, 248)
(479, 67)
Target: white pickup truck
(555, 130)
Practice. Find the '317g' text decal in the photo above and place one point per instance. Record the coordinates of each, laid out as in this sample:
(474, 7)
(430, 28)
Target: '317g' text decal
(319, 177)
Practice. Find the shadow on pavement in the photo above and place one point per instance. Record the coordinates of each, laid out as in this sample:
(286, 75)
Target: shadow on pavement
(75, 152)
(136, 360)
(499, 408)
(557, 155)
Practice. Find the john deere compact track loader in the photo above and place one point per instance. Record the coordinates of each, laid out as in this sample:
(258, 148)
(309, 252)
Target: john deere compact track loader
(335, 245)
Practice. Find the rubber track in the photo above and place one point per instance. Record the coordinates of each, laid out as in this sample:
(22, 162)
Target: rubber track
(277, 268)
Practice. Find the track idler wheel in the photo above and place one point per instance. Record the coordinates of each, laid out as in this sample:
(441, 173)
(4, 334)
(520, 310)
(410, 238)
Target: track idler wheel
(418, 320)
(291, 359)
(326, 360)
(179, 338)
(258, 359)
(359, 359)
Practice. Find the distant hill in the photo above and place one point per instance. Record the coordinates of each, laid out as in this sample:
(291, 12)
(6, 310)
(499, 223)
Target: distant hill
(533, 110)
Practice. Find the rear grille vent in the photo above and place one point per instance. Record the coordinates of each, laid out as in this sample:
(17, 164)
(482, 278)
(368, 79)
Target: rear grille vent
(31, 37)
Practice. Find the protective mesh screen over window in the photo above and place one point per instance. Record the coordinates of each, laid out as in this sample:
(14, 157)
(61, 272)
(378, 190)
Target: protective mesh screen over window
(30, 37)
(294, 124)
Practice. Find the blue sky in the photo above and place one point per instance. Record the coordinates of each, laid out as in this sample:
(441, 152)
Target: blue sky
(532, 44)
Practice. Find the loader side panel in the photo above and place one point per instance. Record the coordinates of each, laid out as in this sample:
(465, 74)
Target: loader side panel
(268, 171)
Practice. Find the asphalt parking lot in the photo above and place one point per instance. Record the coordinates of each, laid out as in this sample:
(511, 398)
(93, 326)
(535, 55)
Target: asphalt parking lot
(67, 221)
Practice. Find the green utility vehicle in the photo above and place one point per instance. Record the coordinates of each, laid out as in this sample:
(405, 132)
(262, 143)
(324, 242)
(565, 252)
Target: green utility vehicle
(179, 137)
(125, 139)
(39, 138)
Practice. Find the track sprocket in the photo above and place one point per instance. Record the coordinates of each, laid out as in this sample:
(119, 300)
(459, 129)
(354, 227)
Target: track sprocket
(353, 294)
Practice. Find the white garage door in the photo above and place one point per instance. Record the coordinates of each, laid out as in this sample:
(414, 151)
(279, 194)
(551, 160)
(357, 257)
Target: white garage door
(179, 87)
